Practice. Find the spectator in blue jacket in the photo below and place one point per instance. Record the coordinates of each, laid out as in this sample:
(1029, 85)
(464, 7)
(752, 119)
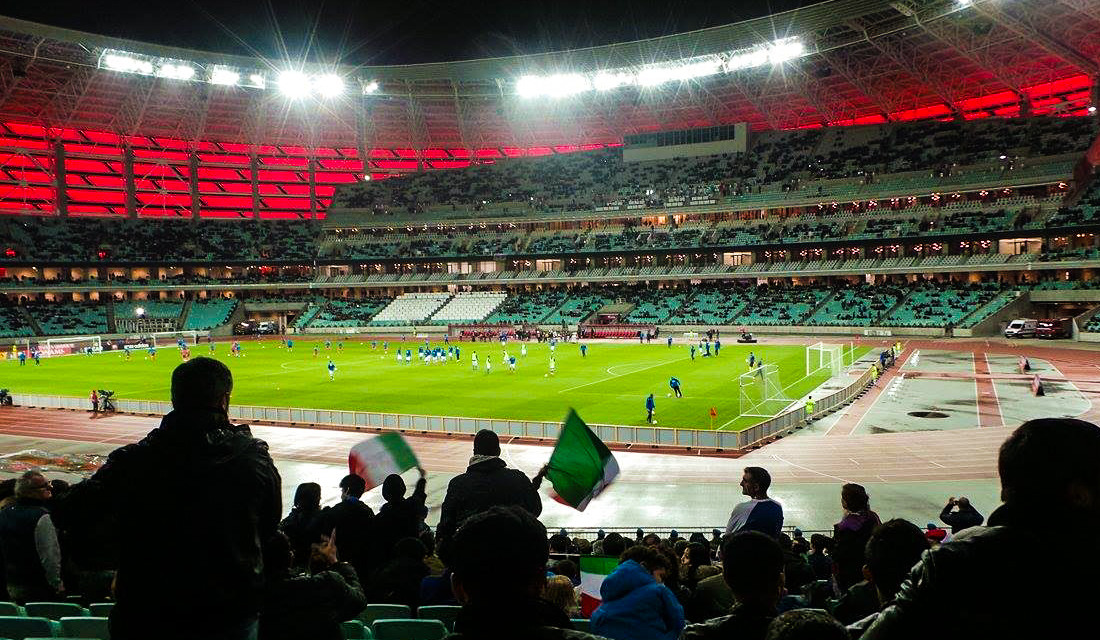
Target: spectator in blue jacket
(636, 605)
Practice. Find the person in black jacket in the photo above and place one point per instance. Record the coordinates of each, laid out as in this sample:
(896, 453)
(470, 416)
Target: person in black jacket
(194, 499)
(29, 544)
(300, 525)
(351, 524)
(307, 606)
(487, 483)
(959, 514)
(1032, 570)
(399, 517)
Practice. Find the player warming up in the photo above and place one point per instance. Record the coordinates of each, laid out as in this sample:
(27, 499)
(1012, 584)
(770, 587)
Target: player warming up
(331, 370)
(674, 384)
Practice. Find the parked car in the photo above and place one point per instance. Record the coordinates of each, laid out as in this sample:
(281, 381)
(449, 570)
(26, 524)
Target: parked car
(1021, 328)
(1054, 328)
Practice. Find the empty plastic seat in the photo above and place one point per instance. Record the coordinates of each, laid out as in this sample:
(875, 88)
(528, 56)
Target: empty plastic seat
(445, 613)
(374, 612)
(21, 627)
(54, 610)
(100, 609)
(409, 629)
(10, 609)
(85, 627)
(355, 630)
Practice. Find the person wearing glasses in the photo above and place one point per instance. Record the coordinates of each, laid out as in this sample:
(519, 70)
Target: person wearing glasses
(28, 543)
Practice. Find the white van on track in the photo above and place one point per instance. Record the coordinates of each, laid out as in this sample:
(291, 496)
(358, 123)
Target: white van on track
(1021, 328)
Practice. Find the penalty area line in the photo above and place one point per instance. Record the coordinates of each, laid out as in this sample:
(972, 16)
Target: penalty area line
(612, 375)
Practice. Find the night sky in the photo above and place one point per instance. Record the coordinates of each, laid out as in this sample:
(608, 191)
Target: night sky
(370, 32)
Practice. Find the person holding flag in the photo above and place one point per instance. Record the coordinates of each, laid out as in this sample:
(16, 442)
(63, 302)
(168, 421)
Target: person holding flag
(674, 384)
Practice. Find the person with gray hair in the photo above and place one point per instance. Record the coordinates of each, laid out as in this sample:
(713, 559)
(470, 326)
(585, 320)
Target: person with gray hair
(28, 543)
(193, 501)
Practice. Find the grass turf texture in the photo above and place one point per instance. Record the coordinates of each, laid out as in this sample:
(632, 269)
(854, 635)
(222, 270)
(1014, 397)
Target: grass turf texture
(608, 386)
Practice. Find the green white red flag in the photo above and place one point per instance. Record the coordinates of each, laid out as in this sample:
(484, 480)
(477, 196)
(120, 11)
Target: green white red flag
(374, 459)
(581, 465)
(593, 570)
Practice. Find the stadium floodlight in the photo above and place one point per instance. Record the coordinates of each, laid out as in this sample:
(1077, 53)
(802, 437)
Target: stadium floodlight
(293, 84)
(605, 81)
(555, 86)
(1092, 109)
(175, 71)
(370, 87)
(256, 81)
(329, 85)
(125, 62)
(783, 50)
(222, 76)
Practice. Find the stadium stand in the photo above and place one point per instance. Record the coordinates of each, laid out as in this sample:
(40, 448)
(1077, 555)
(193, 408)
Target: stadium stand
(528, 307)
(781, 306)
(468, 306)
(410, 308)
(941, 304)
(12, 322)
(344, 313)
(66, 319)
(861, 306)
(209, 313)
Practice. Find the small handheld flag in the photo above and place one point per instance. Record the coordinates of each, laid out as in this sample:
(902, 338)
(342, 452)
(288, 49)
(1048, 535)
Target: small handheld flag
(581, 466)
(374, 459)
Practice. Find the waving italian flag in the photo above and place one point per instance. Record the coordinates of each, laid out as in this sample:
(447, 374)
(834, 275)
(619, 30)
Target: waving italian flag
(374, 459)
(581, 466)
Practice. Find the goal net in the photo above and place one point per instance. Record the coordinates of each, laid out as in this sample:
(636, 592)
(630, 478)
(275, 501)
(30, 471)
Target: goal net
(75, 344)
(824, 357)
(760, 392)
(169, 338)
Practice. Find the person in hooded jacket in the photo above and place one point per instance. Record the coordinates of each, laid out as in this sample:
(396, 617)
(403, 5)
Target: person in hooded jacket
(300, 525)
(399, 517)
(193, 501)
(487, 483)
(635, 604)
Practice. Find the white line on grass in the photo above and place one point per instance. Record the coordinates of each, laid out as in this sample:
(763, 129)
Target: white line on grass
(659, 364)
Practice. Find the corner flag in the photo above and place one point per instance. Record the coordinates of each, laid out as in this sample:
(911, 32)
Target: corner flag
(581, 466)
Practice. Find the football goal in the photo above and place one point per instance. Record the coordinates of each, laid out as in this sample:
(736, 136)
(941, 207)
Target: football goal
(826, 357)
(169, 338)
(761, 394)
(75, 344)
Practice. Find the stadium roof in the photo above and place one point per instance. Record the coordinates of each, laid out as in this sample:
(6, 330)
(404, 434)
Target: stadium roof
(864, 61)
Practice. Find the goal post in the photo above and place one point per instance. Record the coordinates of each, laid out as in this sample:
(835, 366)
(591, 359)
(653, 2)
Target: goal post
(74, 344)
(169, 338)
(760, 392)
(825, 357)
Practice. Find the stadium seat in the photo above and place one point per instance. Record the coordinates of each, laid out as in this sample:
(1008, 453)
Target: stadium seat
(409, 629)
(21, 627)
(85, 627)
(442, 612)
(54, 610)
(355, 630)
(100, 609)
(374, 612)
(11, 609)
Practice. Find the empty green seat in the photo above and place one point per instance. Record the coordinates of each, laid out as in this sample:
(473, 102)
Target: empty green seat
(374, 612)
(409, 629)
(20, 627)
(85, 627)
(100, 609)
(445, 613)
(54, 610)
(581, 624)
(10, 609)
(354, 630)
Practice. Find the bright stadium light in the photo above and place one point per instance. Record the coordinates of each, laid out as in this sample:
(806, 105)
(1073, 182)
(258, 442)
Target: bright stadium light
(605, 81)
(120, 61)
(226, 77)
(256, 80)
(370, 87)
(176, 71)
(293, 84)
(329, 85)
(555, 86)
(782, 51)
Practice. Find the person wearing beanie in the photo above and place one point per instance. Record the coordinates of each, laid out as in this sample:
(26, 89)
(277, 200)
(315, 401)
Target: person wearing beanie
(487, 482)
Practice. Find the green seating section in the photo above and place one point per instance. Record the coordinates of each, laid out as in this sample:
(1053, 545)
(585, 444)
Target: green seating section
(998, 302)
(530, 307)
(209, 313)
(861, 306)
(779, 306)
(580, 303)
(932, 306)
(70, 319)
(656, 305)
(152, 308)
(710, 305)
(13, 324)
(348, 313)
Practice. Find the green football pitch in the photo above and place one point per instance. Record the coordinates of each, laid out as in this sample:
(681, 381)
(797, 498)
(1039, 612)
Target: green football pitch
(608, 386)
